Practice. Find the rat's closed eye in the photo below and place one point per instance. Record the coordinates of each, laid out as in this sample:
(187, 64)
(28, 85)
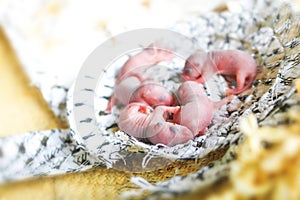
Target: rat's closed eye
(188, 70)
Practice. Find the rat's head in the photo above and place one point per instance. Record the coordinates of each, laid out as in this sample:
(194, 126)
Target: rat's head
(152, 94)
(193, 68)
(188, 90)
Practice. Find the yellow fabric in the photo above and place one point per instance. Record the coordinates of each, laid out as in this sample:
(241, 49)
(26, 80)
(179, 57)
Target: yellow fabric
(22, 107)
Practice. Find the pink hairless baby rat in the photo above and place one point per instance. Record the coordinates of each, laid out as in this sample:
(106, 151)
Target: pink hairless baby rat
(159, 130)
(152, 94)
(143, 122)
(149, 56)
(201, 65)
(131, 75)
(155, 125)
(133, 119)
(132, 89)
(196, 109)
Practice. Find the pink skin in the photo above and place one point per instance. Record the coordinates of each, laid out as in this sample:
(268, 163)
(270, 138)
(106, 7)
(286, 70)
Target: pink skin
(134, 118)
(152, 94)
(144, 122)
(130, 76)
(201, 66)
(163, 132)
(191, 119)
(150, 56)
(123, 92)
(126, 86)
(196, 112)
(132, 89)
